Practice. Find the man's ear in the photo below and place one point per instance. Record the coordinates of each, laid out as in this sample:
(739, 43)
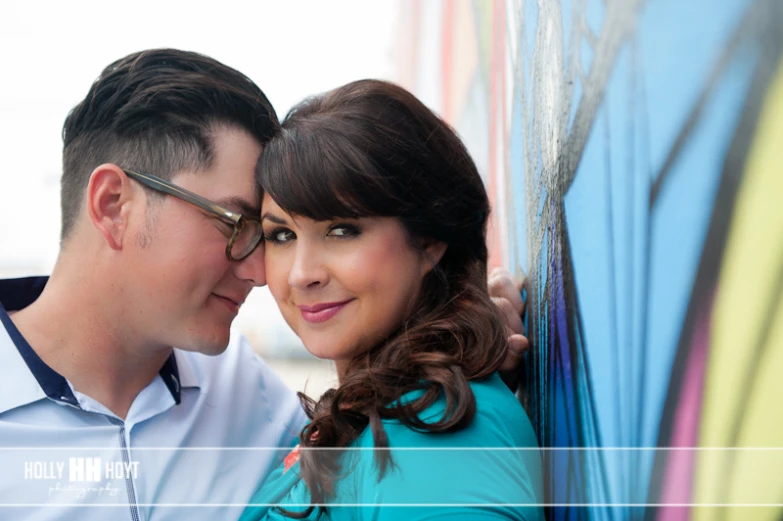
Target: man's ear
(109, 194)
(433, 251)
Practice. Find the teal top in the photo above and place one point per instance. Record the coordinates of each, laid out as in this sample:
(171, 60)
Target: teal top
(489, 470)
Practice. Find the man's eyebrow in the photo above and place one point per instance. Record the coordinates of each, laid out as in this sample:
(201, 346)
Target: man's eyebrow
(275, 219)
(237, 204)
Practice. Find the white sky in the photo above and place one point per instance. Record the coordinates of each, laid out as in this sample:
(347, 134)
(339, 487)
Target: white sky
(50, 52)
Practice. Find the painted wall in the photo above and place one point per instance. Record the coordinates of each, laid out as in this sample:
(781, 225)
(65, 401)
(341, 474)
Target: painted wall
(634, 153)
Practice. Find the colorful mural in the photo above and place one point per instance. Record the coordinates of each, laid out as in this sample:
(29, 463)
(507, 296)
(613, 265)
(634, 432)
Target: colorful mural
(632, 149)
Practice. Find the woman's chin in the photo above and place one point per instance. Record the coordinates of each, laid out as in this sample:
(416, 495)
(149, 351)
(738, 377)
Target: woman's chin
(323, 351)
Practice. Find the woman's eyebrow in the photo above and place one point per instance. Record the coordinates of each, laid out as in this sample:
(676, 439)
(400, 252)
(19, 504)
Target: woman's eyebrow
(275, 219)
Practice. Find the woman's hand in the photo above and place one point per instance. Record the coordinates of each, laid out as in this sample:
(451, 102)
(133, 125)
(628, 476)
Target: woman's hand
(506, 292)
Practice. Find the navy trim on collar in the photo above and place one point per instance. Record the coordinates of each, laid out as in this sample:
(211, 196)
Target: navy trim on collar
(16, 294)
(19, 293)
(53, 384)
(170, 374)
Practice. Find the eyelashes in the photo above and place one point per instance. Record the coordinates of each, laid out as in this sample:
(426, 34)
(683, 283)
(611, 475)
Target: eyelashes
(282, 235)
(344, 230)
(279, 235)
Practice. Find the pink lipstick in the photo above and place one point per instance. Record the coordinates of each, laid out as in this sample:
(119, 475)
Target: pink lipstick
(322, 312)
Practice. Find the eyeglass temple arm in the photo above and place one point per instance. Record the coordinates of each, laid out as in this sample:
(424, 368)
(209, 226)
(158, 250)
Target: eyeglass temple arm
(186, 195)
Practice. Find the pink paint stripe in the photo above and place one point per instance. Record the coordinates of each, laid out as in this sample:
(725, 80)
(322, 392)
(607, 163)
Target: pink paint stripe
(447, 61)
(678, 478)
(497, 42)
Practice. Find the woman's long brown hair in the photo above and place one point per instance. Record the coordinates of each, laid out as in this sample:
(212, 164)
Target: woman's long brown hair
(371, 148)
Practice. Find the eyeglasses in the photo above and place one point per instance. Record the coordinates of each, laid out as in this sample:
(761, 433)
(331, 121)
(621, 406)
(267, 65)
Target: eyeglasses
(247, 232)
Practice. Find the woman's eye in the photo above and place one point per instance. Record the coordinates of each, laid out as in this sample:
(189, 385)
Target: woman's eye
(279, 236)
(343, 230)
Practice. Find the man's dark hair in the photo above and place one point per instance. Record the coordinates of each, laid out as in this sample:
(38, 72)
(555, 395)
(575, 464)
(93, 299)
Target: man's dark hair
(155, 111)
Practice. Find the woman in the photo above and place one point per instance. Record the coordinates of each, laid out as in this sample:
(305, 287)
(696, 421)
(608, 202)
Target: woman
(375, 217)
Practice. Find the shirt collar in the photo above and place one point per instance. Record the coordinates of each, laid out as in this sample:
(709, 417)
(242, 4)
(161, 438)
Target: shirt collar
(40, 380)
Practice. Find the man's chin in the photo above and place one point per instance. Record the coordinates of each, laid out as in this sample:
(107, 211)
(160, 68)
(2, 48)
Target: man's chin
(208, 344)
(213, 350)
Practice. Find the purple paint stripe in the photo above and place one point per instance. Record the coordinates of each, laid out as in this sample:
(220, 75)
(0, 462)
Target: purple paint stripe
(562, 335)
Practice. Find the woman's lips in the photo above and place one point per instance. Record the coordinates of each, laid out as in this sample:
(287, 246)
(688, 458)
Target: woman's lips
(322, 312)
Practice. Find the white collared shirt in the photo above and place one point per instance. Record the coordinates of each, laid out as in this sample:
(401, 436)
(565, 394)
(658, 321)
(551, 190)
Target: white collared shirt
(63, 455)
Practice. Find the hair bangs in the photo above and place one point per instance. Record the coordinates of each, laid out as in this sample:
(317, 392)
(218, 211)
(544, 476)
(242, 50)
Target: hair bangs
(314, 175)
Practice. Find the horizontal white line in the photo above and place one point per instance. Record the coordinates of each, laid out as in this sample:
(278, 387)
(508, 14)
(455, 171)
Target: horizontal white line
(582, 449)
(403, 505)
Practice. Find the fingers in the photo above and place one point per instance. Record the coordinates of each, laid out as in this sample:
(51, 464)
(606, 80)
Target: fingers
(503, 285)
(506, 292)
(512, 317)
(517, 345)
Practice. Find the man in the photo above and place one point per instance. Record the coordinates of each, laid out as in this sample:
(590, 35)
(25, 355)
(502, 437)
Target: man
(158, 249)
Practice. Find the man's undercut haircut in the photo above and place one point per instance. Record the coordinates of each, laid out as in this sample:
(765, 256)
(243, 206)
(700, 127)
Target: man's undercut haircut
(156, 111)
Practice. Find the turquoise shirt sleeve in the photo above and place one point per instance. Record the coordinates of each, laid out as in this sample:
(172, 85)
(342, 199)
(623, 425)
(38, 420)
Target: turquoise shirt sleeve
(489, 470)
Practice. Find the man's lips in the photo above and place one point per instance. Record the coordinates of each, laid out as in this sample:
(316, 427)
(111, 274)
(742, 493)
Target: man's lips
(323, 311)
(233, 303)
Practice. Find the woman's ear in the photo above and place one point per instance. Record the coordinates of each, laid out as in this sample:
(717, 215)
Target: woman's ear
(433, 251)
